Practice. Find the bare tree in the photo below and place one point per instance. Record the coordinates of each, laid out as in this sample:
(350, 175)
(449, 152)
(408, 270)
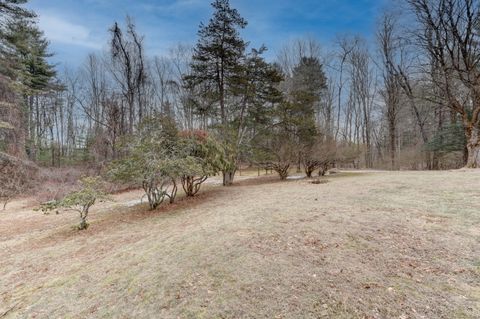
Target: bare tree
(388, 45)
(128, 69)
(363, 90)
(180, 57)
(292, 52)
(449, 36)
(345, 49)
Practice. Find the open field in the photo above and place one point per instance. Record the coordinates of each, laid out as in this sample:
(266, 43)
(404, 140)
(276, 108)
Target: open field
(363, 245)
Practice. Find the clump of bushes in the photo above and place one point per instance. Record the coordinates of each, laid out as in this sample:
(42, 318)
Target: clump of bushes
(159, 157)
(319, 155)
(280, 151)
(275, 150)
(200, 156)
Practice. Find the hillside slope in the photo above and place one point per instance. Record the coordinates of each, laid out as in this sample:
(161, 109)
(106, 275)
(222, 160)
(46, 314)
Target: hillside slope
(374, 245)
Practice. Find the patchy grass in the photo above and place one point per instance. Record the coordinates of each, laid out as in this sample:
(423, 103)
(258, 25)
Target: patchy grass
(375, 245)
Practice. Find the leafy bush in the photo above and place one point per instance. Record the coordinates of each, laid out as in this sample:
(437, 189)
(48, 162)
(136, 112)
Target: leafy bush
(152, 161)
(200, 156)
(159, 156)
(91, 191)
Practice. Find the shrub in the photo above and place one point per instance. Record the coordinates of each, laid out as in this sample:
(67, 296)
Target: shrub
(276, 150)
(282, 169)
(153, 169)
(200, 156)
(90, 192)
(159, 156)
(320, 155)
(151, 161)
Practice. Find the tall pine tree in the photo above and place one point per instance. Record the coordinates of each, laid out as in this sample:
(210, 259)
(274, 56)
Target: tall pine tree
(12, 134)
(216, 66)
(308, 85)
(26, 74)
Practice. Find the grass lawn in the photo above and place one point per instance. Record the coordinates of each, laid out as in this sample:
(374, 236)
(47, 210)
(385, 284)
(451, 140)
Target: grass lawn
(363, 245)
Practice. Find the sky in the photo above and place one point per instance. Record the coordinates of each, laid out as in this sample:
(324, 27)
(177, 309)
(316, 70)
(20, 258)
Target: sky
(78, 27)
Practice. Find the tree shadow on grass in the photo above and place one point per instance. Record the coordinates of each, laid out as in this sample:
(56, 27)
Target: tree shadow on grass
(261, 180)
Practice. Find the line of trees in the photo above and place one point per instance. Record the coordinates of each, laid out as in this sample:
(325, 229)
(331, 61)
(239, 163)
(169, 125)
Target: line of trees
(409, 100)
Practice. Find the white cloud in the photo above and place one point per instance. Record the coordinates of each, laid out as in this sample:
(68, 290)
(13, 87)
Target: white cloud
(58, 29)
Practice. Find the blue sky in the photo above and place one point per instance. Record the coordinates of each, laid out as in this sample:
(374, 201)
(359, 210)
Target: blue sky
(77, 27)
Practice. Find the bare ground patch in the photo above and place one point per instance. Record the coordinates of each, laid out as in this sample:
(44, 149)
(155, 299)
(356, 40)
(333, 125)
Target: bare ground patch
(379, 245)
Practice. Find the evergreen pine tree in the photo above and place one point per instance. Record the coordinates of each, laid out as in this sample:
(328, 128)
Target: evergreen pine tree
(10, 12)
(219, 52)
(216, 66)
(12, 134)
(25, 71)
(309, 83)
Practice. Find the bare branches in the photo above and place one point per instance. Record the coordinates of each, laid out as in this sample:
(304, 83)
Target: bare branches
(128, 69)
(449, 34)
(388, 44)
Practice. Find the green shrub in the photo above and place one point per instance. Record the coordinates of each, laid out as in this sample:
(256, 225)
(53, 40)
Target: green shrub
(199, 156)
(158, 156)
(91, 191)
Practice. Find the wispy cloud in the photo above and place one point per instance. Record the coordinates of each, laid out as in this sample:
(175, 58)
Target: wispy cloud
(77, 27)
(58, 30)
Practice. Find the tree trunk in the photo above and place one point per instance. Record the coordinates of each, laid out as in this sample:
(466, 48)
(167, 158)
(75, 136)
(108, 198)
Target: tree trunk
(5, 203)
(299, 163)
(282, 170)
(83, 220)
(393, 139)
(83, 225)
(228, 177)
(465, 155)
(308, 172)
(473, 146)
(173, 194)
(428, 160)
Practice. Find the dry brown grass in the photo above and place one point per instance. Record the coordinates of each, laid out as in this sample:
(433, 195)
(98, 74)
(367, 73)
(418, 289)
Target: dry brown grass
(377, 245)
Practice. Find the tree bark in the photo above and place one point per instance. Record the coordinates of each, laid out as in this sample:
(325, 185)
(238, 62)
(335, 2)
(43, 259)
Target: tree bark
(473, 147)
(393, 139)
(83, 219)
(228, 177)
(308, 172)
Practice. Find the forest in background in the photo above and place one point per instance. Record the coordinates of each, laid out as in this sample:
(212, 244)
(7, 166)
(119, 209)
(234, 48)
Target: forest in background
(408, 100)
